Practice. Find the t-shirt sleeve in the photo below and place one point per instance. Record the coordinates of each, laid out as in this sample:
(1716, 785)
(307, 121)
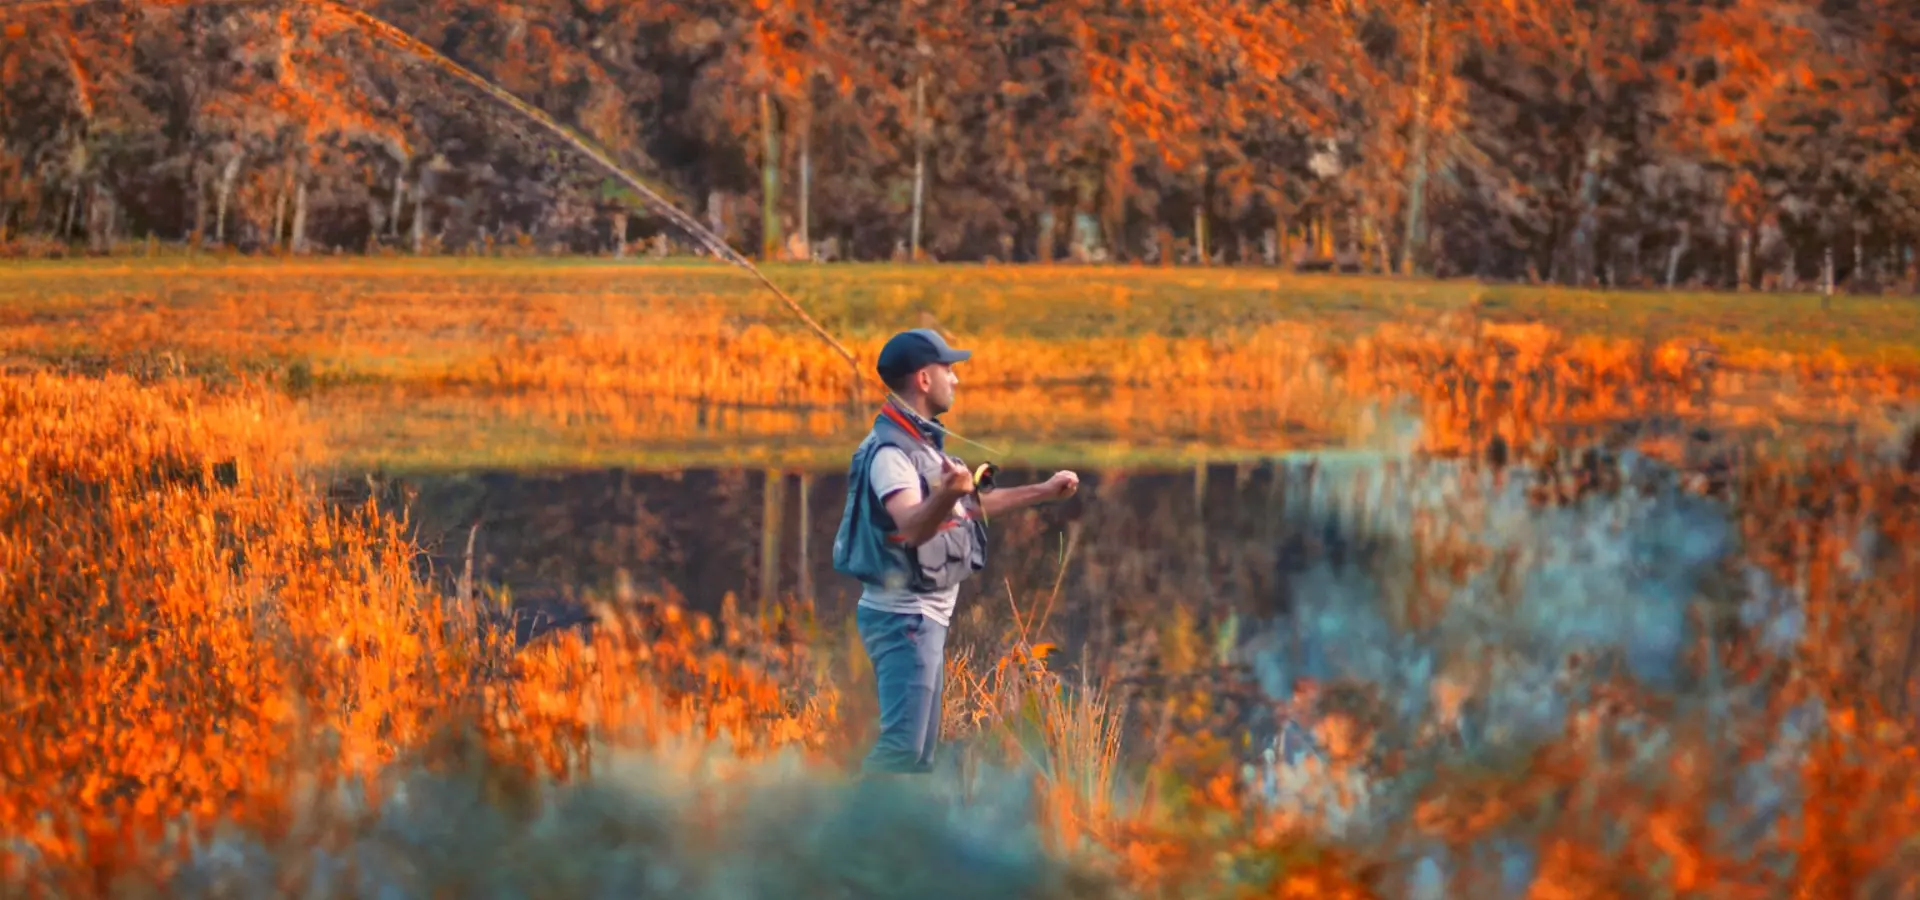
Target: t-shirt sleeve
(891, 473)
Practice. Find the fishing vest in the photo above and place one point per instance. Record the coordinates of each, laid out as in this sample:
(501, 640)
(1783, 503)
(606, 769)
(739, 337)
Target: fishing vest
(867, 546)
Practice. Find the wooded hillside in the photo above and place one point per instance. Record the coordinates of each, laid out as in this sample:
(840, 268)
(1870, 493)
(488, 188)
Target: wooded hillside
(1770, 143)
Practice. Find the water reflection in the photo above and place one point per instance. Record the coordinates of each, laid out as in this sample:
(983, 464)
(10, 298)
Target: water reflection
(1198, 535)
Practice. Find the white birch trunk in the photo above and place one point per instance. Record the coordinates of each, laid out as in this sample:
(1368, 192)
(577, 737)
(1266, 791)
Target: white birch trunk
(299, 238)
(228, 176)
(919, 163)
(420, 217)
(399, 197)
(806, 186)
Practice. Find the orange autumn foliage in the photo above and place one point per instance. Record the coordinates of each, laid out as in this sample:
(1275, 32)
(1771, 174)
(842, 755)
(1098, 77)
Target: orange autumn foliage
(193, 636)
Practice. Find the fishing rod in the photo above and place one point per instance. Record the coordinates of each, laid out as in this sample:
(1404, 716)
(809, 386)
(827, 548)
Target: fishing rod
(707, 239)
(713, 243)
(393, 34)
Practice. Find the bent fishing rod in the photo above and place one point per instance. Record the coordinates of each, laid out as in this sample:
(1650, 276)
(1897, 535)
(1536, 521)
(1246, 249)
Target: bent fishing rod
(586, 147)
(373, 25)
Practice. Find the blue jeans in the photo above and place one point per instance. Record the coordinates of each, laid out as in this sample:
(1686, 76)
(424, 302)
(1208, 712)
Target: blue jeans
(908, 651)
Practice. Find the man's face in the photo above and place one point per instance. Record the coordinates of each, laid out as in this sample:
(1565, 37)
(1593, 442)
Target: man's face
(937, 382)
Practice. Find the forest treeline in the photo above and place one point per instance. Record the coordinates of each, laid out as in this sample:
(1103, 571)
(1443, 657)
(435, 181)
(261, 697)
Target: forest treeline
(1720, 143)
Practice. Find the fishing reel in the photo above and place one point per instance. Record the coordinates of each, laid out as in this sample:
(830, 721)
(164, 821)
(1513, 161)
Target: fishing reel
(983, 477)
(983, 485)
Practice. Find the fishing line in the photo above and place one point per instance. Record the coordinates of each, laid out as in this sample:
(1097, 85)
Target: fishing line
(707, 239)
(393, 34)
(944, 429)
(712, 242)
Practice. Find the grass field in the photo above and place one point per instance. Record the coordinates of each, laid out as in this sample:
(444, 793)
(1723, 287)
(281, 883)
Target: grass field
(448, 365)
(1525, 655)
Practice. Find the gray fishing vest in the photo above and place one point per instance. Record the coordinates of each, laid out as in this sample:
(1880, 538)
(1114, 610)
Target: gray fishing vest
(866, 546)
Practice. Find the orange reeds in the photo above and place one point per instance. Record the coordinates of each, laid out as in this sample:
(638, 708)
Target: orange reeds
(391, 359)
(191, 635)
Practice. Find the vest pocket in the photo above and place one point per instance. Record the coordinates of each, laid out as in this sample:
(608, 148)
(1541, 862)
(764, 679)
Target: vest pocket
(944, 557)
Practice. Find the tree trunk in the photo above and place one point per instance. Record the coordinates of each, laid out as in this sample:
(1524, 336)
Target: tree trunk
(1826, 277)
(299, 238)
(769, 182)
(420, 217)
(1584, 232)
(94, 215)
(620, 235)
(920, 165)
(806, 188)
(280, 209)
(1282, 240)
(804, 524)
(1859, 273)
(1679, 250)
(1202, 560)
(1417, 176)
(716, 214)
(1200, 236)
(227, 177)
(73, 210)
(399, 195)
(1112, 203)
(773, 497)
(1201, 252)
(1371, 245)
(1744, 264)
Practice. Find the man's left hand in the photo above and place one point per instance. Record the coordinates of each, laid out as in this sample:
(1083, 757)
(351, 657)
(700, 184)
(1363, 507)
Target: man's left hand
(1063, 485)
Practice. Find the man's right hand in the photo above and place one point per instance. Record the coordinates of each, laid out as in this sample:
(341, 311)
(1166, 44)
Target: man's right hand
(955, 480)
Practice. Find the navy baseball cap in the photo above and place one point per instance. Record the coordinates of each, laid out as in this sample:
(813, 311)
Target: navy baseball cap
(911, 351)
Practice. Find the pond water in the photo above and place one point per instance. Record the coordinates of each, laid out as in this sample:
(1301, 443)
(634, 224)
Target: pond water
(1198, 535)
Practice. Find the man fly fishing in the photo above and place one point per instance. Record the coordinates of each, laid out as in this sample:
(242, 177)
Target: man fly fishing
(915, 528)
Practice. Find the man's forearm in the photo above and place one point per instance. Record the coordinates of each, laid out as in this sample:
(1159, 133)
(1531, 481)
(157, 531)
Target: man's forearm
(923, 520)
(1009, 499)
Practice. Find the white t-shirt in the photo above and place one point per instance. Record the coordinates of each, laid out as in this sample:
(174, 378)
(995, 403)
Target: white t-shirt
(890, 473)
